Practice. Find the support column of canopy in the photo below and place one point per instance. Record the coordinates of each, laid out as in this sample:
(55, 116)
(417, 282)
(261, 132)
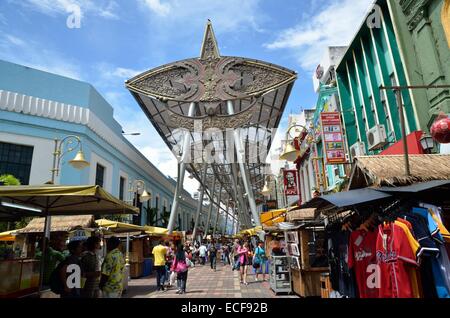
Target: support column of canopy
(226, 218)
(185, 156)
(243, 169)
(238, 194)
(211, 204)
(218, 211)
(200, 201)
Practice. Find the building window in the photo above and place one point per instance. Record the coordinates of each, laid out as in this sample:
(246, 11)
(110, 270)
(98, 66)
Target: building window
(122, 183)
(100, 175)
(386, 111)
(16, 160)
(393, 80)
(364, 118)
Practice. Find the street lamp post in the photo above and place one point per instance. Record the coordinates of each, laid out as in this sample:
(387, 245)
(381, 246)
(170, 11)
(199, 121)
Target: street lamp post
(79, 162)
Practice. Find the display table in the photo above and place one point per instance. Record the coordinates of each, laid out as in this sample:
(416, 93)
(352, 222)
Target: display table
(19, 277)
(307, 282)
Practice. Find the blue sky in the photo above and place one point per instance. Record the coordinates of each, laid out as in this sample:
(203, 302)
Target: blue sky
(120, 38)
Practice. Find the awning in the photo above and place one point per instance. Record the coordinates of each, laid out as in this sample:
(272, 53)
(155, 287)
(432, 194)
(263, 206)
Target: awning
(273, 217)
(418, 187)
(8, 236)
(346, 199)
(119, 227)
(64, 200)
(251, 232)
(153, 230)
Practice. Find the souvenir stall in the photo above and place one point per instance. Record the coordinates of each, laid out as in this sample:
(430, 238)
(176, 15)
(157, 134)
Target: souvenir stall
(390, 240)
(306, 248)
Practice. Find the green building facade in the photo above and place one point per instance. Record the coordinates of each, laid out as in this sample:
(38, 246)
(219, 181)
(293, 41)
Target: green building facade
(420, 27)
(372, 60)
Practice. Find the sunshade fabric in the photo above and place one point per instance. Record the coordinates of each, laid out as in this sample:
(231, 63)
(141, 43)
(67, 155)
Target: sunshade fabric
(252, 232)
(347, 199)
(273, 217)
(418, 187)
(7, 236)
(117, 227)
(65, 200)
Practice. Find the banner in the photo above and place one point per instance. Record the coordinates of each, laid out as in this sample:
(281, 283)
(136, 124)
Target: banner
(333, 138)
(290, 182)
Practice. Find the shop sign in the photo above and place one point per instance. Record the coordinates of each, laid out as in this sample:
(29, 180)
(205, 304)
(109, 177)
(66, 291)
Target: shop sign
(333, 138)
(290, 182)
(78, 235)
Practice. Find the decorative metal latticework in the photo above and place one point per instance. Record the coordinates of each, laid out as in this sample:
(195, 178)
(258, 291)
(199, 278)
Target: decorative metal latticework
(258, 91)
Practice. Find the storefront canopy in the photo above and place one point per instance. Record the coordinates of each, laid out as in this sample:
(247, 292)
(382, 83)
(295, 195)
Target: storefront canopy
(346, 199)
(63, 200)
(119, 227)
(251, 232)
(418, 187)
(60, 223)
(273, 217)
(8, 236)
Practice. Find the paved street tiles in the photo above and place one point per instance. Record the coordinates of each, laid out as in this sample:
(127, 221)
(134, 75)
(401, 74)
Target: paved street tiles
(205, 283)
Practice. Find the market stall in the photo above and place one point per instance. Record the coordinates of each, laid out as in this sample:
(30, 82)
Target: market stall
(21, 271)
(389, 221)
(49, 201)
(306, 247)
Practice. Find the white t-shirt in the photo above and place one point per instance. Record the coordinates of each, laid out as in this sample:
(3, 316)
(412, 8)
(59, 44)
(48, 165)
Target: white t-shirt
(202, 250)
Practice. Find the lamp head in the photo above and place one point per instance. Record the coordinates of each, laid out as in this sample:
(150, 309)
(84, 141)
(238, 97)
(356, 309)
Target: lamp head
(290, 153)
(79, 162)
(145, 196)
(265, 191)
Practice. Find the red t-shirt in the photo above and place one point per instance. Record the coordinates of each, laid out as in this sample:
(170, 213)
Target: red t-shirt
(394, 254)
(362, 258)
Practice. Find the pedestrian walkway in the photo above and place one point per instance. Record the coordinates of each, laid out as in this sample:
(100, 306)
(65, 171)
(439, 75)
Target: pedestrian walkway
(205, 283)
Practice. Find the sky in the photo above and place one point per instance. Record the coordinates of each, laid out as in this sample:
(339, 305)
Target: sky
(118, 39)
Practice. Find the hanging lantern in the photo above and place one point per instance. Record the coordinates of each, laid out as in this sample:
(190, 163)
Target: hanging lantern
(440, 130)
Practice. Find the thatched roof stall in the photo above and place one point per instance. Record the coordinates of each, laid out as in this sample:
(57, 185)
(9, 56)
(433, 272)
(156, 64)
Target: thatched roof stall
(60, 224)
(380, 171)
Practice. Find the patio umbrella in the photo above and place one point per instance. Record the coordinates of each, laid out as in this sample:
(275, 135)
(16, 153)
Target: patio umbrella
(48, 200)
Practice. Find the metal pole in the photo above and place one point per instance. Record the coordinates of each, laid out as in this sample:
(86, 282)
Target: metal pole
(200, 201)
(211, 204)
(244, 171)
(181, 171)
(226, 218)
(403, 128)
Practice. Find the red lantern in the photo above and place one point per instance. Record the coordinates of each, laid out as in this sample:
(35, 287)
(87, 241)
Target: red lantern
(440, 131)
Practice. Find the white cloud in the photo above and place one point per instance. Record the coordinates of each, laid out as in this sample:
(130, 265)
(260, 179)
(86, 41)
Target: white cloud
(336, 24)
(11, 49)
(103, 8)
(226, 16)
(2, 19)
(114, 73)
(161, 9)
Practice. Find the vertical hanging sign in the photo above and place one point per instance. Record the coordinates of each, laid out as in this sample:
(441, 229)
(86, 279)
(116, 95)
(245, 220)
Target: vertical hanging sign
(333, 138)
(290, 182)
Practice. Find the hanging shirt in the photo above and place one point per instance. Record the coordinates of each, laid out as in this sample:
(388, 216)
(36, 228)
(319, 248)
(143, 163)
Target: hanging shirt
(415, 246)
(361, 255)
(393, 255)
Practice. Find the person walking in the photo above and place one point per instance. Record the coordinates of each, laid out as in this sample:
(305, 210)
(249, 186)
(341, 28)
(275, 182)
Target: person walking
(90, 268)
(111, 282)
(212, 254)
(170, 276)
(242, 252)
(180, 266)
(236, 255)
(75, 249)
(159, 253)
(202, 252)
(260, 261)
(226, 254)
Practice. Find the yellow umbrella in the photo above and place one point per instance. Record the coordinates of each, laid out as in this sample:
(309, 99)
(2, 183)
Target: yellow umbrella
(153, 230)
(119, 227)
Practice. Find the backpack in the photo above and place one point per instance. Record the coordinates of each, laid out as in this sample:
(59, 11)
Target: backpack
(56, 285)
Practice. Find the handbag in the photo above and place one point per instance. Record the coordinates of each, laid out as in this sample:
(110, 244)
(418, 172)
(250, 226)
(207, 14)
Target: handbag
(189, 262)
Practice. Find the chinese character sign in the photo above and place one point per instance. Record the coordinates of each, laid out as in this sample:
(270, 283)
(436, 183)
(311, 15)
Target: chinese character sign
(290, 182)
(332, 138)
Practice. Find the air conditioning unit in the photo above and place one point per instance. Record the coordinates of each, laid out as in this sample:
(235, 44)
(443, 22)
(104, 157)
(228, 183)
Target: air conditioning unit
(358, 149)
(376, 137)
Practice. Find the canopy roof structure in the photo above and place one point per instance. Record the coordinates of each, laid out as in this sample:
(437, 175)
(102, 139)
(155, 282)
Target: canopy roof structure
(63, 200)
(198, 104)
